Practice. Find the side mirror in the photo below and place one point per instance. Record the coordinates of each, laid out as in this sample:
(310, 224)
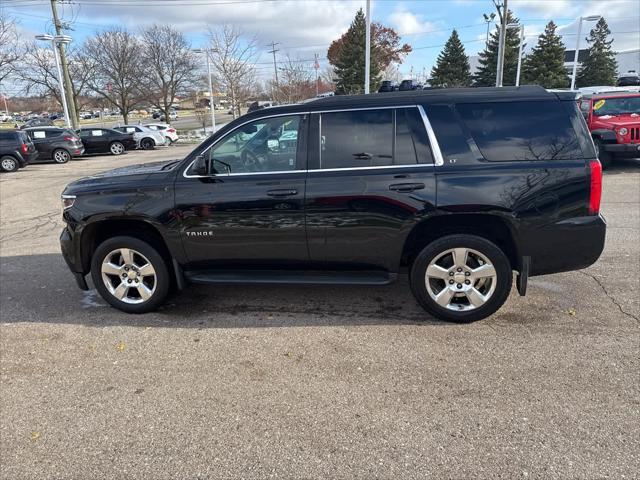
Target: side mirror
(201, 165)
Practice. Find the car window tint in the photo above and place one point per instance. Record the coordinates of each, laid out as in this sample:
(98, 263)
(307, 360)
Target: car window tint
(412, 142)
(265, 145)
(451, 138)
(356, 139)
(6, 136)
(523, 131)
(52, 133)
(85, 133)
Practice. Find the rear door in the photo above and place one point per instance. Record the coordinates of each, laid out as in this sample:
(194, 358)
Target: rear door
(371, 177)
(43, 146)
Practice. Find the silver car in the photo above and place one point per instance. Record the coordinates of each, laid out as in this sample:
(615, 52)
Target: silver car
(145, 137)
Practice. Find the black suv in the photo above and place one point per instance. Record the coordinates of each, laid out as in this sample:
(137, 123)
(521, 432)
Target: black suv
(16, 150)
(459, 187)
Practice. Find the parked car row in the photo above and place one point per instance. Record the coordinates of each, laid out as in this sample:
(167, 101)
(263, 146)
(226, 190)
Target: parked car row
(48, 143)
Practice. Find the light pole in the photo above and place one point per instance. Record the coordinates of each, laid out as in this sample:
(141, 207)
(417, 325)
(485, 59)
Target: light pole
(591, 18)
(521, 27)
(367, 48)
(213, 115)
(55, 40)
(488, 18)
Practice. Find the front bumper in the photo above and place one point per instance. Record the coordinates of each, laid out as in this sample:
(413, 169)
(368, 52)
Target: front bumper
(69, 254)
(623, 149)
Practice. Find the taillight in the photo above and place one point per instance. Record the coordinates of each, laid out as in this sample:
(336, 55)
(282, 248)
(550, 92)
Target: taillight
(171, 130)
(595, 187)
(70, 139)
(24, 147)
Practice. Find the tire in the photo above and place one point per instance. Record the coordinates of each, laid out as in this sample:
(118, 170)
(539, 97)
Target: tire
(108, 265)
(60, 155)
(116, 148)
(486, 293)
(9, 164)
(147, 144)
(604, 156)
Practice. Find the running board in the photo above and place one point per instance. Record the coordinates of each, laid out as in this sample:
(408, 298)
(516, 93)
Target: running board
(257, 277)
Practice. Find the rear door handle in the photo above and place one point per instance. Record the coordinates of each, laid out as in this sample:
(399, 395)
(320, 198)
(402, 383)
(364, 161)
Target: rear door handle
(283, 192)
(406, 187)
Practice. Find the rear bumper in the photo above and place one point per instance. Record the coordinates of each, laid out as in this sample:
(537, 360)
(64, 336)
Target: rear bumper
(570, 244)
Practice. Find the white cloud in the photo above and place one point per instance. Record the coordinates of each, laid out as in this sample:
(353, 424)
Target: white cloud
(407, 23)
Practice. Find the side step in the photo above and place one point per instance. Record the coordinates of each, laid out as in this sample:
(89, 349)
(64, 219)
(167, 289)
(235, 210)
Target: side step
(305, 277)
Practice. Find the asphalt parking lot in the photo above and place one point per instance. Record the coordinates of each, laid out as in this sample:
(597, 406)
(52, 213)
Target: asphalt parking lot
(302, 382)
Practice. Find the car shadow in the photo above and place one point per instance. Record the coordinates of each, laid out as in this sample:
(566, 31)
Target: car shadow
(40, 289)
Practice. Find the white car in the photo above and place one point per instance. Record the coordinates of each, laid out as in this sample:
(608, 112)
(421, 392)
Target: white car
(145, 137)
(170, 133)
(5, 117)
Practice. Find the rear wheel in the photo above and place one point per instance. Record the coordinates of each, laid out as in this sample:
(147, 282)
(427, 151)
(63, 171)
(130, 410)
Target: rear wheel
(130, 274)
(147, 144)
(116, 148)
(61, 156)
(604, 156)
(9, 164)
(461, 278)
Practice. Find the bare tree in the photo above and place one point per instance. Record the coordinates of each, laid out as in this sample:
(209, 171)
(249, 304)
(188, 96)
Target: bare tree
(119, 68)
(169, 65)
(297, 82)
(37, 70)
(233, 58)
(9, 53)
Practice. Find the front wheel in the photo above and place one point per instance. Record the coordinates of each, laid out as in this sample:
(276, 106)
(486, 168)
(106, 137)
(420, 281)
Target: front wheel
(9, 164)
(461, 278)
(604, 156)
(130, 274)
(61, 156)
(147, 144)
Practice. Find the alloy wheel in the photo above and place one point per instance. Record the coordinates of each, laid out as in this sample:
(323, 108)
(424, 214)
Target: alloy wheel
(461, 279)
(116, 148)
(129, 276)
(8, 164)
(61, 156)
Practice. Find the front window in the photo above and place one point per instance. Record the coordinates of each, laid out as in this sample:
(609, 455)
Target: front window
(265, 145)
(616, 106)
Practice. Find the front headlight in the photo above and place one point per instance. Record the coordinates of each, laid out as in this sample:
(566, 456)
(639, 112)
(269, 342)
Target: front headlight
(623, 131)
(67, 201)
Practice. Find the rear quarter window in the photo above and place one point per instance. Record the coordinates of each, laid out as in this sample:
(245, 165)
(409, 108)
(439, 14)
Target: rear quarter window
(527, 131)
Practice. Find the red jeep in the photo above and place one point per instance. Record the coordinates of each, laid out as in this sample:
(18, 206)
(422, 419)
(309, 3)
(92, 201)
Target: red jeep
(614, 122)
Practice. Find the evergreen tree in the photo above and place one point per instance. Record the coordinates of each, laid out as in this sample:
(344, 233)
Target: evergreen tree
(349, 67)
(600, 66)
(486, 74)
(452, 68)
(545, 65)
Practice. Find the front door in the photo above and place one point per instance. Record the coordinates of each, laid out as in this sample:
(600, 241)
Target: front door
(371, 178)
(249, 212)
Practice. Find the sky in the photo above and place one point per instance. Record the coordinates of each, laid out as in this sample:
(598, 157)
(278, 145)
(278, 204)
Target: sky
(302, 28)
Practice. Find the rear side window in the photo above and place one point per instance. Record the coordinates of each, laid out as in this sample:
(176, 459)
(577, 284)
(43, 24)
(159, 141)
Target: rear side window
(52, 133)
(7, 136)
(525, 131)
(451, 138)
(373, 138)
(356, 139)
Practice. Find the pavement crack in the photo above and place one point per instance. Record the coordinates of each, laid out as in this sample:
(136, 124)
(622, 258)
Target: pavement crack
(611, 297)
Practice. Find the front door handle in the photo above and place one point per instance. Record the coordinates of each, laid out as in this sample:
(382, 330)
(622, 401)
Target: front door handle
(406, 187)
(284, 192)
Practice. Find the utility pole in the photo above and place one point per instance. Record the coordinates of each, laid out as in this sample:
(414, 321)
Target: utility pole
(503, 35)
(65, 68)
(275, 65)
(367, 52)
(316, 66)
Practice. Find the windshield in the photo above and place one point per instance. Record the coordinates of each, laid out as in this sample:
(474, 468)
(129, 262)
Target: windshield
(616, 106)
